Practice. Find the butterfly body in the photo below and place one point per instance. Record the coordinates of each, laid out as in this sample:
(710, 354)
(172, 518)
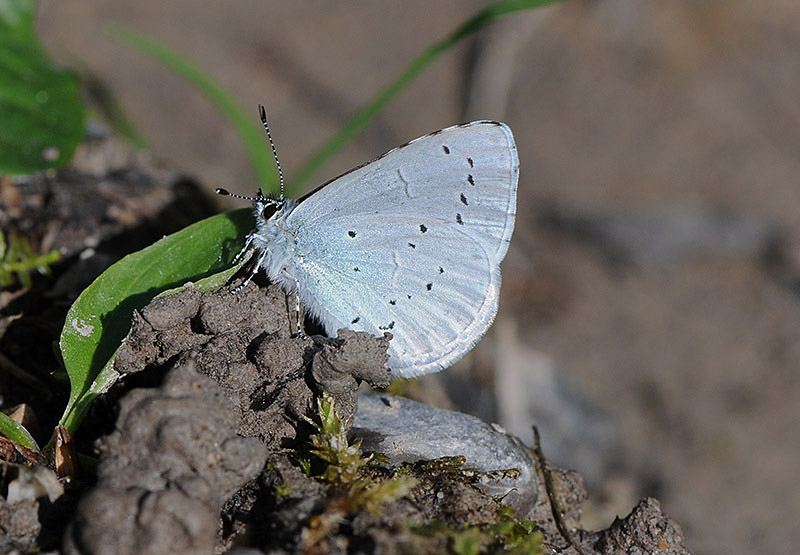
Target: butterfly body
(409, 243)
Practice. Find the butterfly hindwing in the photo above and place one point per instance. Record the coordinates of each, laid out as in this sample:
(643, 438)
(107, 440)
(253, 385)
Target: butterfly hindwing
(411, 243)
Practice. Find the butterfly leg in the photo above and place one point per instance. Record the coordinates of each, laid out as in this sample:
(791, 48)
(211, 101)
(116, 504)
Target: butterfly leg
(245, 248)
(300, 331)
(253, 272)
(297, 311)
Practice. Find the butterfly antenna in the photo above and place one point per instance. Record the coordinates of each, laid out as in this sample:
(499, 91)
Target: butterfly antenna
(227, 193)
(263, 113)
(260, 196)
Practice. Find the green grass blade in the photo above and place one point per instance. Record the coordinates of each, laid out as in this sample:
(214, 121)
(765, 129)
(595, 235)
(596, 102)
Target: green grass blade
(250, 133)
(478, 21)
(100, 318)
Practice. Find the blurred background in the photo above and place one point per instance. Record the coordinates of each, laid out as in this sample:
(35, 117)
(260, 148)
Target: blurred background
(650, 316)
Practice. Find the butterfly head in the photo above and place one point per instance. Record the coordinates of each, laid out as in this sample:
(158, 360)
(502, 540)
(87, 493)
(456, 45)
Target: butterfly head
(265, 205)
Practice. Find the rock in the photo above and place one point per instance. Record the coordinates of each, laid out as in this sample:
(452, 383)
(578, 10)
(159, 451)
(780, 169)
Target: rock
(408, 431)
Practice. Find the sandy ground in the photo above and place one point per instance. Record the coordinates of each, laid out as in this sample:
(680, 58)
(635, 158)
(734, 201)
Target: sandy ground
(656, 260)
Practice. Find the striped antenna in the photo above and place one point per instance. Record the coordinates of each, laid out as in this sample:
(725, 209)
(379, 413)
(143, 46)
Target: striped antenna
(227, 193)
(263, 113)
(259, 196)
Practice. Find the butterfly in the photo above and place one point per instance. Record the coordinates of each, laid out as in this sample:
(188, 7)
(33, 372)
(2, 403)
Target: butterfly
(409, 243)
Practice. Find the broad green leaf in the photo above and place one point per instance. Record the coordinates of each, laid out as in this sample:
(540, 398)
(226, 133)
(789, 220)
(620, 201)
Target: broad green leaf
(41, 110)
(16, 432)
(100, 318)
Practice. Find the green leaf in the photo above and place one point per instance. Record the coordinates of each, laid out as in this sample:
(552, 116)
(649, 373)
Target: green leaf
(250, 133)
(100, 318)
(41, 111)
(478, 21)
(16, 432)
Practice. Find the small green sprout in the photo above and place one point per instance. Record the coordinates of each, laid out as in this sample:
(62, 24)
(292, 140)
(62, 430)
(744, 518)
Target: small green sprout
(283, 490)
(346, 468)
(17, 257)
(343, 461)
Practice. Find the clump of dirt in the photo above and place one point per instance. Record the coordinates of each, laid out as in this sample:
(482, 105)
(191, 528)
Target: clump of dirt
(173, 459)
(645, 530)
(245, 341)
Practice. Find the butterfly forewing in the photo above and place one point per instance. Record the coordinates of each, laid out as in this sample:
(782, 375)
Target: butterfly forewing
(411, 242)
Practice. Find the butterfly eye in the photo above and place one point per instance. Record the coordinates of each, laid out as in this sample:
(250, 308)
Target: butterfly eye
(267, 206)
(270, 207)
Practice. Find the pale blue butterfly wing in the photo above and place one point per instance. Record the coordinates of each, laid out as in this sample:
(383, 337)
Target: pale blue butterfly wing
(409, 243)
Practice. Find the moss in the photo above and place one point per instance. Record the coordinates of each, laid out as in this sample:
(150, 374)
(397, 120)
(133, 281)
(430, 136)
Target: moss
(508, 535)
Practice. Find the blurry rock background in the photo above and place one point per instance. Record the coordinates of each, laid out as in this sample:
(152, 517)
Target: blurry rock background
(650, 319)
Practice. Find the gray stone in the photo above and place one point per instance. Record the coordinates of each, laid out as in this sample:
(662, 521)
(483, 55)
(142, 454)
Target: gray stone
(408, 431)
